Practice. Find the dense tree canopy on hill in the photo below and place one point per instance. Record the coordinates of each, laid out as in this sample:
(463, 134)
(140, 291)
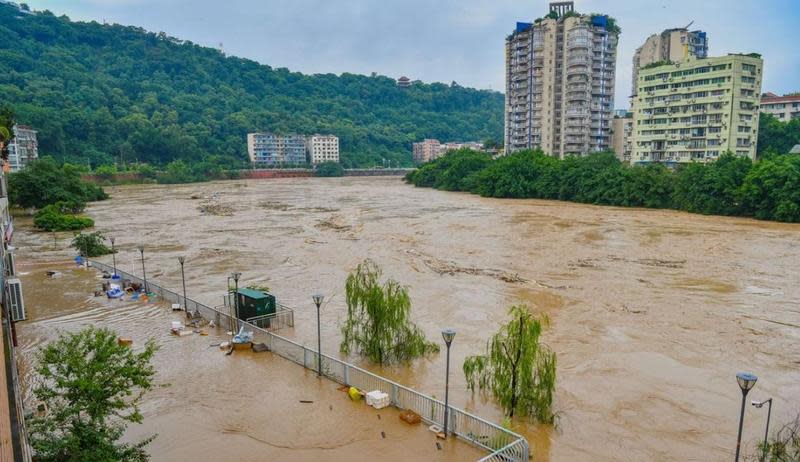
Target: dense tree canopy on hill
(106, 93)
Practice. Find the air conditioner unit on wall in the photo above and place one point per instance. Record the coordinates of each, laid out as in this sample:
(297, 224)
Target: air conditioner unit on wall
(15, 304)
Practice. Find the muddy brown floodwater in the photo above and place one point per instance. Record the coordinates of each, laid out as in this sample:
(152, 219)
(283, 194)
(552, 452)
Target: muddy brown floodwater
(652, 312)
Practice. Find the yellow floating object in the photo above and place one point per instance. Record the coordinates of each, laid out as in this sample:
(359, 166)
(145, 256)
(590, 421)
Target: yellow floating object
(355, 395)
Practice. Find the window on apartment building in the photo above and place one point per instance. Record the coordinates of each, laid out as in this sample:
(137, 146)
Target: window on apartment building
(720, 67)
(745, 92)
(717, 92)
(746, 79)
(748, 67)
(744, 129)
(714, 129)
(746, 105)
(745, 117)
(713, 142)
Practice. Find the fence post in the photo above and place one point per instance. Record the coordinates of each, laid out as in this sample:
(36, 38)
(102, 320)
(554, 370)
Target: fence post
(346, 374)
(394, 394)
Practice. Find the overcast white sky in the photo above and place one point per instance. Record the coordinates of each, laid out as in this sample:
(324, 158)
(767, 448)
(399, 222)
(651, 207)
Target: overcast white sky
(442, 40)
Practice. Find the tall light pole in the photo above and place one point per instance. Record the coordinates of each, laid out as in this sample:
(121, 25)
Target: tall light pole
(318, 301)
(235, 276)
(144, 274)
(759, 404)
(182, 260)
(447, 335)
(746, 382)
(113, 254)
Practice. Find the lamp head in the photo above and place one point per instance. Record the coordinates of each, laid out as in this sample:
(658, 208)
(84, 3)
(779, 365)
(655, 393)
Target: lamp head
(140, 247)
(318, 298)
(448, 335)
(746, 381)
(235, 276)
(112, 239)
(181, 259)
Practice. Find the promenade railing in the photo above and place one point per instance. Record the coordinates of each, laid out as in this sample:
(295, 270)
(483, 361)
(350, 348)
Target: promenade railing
(501, 443)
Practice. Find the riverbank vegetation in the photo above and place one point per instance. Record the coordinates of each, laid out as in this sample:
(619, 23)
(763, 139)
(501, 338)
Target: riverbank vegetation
(106, 94)
(329, 169)
(378, 325)
(517, 368)
(768, 189)
(91, 244)
(57, 191)
(90, 388)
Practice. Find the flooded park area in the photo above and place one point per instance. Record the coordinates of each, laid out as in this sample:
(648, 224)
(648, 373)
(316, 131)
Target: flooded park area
(651, 313)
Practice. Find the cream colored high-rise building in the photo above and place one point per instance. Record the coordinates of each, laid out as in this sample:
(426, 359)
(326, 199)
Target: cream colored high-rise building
(560, 73)
(697, 109)
(622, 136)
(323, 148)
(670, 45)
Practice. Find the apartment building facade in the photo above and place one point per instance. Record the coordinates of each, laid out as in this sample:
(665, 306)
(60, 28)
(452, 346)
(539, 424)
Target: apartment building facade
(622, 136)
(560, 74)
(697, 109)
(426, 150)
(271, 149)
(23, 148)
(323, 148)
(784, 108)
(672, 45)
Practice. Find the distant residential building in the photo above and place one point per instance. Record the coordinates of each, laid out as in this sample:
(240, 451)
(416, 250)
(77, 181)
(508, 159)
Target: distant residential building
(795, 149)
(403, 82)
(560, 82)
(269, 149)
(697, 109)
(430, 149)
(23, 148)
(784, 108)
(622, 135)
(323, 148)
(670, 45)
(425, 151)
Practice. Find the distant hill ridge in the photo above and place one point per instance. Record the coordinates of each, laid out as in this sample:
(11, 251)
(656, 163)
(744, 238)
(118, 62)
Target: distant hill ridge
(104, 93)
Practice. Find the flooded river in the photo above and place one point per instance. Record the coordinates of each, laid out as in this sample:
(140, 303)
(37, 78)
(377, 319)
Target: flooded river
(652, 312)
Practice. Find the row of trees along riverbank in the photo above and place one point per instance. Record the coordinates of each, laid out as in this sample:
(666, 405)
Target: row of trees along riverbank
(768, 189)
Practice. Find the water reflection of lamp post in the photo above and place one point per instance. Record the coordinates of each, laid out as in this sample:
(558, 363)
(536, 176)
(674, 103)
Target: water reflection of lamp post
(746, 382)
(759, 404)
(144, 274)
(182, 260)
(113, 253)
(447, 335)
(318, 301)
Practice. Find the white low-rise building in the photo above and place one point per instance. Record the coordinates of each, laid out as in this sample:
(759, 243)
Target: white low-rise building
(23, 148)
(323, 148)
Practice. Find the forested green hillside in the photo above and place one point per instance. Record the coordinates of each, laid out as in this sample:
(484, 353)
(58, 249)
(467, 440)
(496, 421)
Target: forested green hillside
(107, 93)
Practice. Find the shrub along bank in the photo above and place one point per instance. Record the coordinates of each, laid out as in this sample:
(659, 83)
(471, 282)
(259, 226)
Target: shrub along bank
(768, 189)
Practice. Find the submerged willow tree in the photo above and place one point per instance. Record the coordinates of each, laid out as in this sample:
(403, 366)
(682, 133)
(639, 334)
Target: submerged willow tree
(517, 369)
(378, 324)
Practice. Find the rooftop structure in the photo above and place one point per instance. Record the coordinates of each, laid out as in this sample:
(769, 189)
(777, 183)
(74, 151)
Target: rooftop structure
(671, 45)
(697, 109)
(403, 82)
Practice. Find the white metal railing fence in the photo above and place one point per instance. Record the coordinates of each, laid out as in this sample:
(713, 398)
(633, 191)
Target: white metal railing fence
(502, 444)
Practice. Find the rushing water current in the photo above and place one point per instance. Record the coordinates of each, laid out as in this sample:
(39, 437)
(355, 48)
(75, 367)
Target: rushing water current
(651, 312)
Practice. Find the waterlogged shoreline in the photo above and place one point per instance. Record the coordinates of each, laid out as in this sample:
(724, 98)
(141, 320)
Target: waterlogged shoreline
(652, 311)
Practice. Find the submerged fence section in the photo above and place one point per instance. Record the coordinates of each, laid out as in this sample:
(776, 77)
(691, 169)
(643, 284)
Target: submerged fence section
(502, 444)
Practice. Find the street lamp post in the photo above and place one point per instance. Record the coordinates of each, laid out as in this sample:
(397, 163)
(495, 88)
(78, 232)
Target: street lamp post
(235, 276)
(182, 260)
(318, 301)
(447, 335)
(144, 274)
(113, 253)
(746, 382)
(766, 432)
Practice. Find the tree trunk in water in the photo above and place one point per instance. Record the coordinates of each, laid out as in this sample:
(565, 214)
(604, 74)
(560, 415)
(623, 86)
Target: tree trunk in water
(514, 371)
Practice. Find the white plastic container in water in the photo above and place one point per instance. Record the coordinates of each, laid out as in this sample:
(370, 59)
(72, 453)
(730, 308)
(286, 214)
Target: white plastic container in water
(177, 325)
(378, 399)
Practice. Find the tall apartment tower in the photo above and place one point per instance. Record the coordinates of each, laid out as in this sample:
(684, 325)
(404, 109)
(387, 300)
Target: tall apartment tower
(560, 73)
(696, 110)
(672, 45)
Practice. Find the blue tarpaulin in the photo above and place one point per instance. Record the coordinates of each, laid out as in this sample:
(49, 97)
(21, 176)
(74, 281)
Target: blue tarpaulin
(523, 26)
(600, 20)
